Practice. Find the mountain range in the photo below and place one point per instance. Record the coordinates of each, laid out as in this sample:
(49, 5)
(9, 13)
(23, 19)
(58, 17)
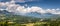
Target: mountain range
(32, 14)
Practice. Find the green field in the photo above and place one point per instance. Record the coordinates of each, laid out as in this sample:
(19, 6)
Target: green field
(17, 20)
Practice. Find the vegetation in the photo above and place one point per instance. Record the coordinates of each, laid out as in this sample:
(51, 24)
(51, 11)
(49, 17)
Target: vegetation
(17, 20)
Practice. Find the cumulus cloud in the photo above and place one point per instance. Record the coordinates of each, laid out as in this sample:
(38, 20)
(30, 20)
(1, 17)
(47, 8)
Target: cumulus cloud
(18, 9)
(21, 1)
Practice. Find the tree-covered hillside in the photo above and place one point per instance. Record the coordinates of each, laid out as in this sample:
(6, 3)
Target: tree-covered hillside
(18, 20)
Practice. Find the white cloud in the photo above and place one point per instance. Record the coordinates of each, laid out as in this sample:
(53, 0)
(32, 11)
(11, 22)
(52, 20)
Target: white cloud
(21, 1)
(18, 9)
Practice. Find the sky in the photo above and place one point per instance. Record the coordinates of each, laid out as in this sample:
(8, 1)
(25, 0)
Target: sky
(25, 7)
(41, 3)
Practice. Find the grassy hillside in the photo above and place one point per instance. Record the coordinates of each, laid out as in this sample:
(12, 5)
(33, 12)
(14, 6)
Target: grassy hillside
(18, 20)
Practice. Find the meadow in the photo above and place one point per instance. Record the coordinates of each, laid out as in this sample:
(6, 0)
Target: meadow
(17, 20)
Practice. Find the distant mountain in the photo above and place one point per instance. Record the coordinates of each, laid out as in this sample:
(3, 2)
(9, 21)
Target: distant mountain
(39, 15)
(5, 12)
(32, 14)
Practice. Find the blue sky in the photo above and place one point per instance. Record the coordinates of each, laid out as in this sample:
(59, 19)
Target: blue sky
(41, 3)
(46, 3)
